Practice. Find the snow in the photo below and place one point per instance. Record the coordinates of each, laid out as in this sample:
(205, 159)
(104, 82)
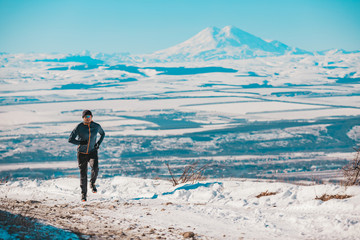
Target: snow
(213, 208)
(226, 43)
(263, 107)
(354, 133)
(285, 117)
(42, 165)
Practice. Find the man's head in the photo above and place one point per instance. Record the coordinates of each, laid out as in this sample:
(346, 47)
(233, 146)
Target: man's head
(87, 116)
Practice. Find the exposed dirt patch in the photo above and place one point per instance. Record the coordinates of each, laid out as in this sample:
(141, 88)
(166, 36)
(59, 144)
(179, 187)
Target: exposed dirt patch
(266, 193)
(89, 220)
(326, 197)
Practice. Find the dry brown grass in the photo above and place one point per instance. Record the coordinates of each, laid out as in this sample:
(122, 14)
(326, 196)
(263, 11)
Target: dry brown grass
(266, 193)
(327, 197)
(4, 180)
(191, 173)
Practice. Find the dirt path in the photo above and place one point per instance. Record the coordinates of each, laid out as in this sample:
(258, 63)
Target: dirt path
(91, 220)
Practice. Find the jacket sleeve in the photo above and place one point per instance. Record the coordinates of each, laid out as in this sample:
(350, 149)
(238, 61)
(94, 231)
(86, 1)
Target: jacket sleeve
(102, 135)
(73, 135)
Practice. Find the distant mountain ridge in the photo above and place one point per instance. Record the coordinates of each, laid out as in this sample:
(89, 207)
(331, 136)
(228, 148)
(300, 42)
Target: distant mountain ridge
(212, 43)
(229, 42)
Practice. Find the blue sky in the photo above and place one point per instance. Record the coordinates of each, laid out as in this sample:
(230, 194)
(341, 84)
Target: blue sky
(144, 26)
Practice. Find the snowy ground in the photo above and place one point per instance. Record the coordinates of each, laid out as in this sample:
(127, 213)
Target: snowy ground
(212, 209)
(293, 117)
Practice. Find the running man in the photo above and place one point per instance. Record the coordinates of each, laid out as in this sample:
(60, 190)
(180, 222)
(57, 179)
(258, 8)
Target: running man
(84, 135)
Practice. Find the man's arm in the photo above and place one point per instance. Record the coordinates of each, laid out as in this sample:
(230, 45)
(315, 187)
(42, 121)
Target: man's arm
(72, 138)
(102, 134)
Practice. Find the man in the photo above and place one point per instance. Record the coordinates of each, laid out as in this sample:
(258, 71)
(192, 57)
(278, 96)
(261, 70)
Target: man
(84, 135)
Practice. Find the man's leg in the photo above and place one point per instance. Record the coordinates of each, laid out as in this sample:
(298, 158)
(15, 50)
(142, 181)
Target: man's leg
(94, 164)
(83, 166)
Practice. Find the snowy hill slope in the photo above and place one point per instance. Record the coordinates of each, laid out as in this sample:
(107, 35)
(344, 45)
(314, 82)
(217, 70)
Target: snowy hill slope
(226, 43)
(213, 209)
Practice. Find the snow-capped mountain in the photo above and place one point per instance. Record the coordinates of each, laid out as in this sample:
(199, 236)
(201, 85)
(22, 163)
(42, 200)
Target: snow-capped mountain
(226, 43)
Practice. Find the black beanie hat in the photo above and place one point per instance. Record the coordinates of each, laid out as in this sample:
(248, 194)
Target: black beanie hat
(86, 112)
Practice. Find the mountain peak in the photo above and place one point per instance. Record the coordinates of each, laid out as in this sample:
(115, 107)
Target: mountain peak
(231, 30)
(211, 29)
(206, 35)
(228, 42)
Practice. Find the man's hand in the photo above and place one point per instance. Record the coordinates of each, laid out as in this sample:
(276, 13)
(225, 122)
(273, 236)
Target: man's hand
(85, 142)
(97, 145)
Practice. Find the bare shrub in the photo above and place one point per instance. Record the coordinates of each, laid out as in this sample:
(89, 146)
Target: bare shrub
(326, 197)
(351, 171)
(191, 173)
(4, 180)
(266, 193)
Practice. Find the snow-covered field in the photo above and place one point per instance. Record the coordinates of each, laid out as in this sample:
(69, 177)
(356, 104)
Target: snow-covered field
(212, 209)
(293, 117)
(262, 117)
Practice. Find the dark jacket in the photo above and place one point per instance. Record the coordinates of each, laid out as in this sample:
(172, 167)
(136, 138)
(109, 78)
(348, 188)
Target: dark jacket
(84, 132)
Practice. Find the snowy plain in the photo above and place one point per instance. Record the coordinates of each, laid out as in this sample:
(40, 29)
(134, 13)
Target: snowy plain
(303, 108)
(291, 117)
